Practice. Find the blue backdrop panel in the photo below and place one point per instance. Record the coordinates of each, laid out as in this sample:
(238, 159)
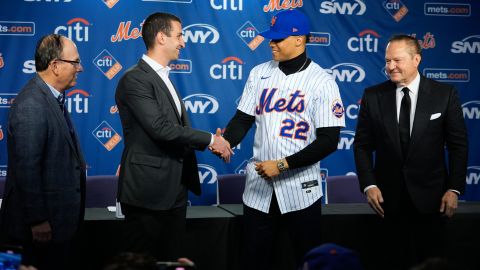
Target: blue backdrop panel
(348, 39)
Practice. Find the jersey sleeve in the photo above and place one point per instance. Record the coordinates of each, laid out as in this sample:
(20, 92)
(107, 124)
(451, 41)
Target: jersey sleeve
(248, 100)
(328, 108)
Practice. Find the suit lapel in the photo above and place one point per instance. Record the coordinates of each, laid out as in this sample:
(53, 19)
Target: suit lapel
(422, 113)
(57, 112)
(162, 87)
(388, 106)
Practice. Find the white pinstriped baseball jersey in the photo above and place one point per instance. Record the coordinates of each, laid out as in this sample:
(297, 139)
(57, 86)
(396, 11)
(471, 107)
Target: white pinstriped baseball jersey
(288, 110)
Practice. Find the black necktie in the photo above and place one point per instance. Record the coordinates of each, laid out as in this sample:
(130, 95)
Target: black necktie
(404, 121)
(61, 102)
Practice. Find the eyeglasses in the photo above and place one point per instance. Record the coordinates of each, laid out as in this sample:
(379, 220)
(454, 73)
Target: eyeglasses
(75, 63)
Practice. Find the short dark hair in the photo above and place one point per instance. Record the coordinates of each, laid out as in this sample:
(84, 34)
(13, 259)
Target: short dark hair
(412, 43)
(49, 47)
(157, 22)
(131, 261)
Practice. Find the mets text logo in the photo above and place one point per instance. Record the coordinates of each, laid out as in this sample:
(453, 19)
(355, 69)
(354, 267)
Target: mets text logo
(201, 103)
(110, 3)
(274, 5)
(396, 9)
(367, 40)
(447, 9)
(201, 33)
(247, 32)
(230, 68)
(473, 175)
(207, 174)
(77, 101)
(347, 72)
(447, 74)
(470, 44)
(15, 28)
(428, 41)
(356, 7)
(224, 5)
(1, 61)
(180, 66)
(337, 108)
(76, 29)
(471, 110)
(7, 99)
(106, 135)
(319, 39)
(346, 139)
(107, 64)
(113, 109)
(124, 32)
(3, 170)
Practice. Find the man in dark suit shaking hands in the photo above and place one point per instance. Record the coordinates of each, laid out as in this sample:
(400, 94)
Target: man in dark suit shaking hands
(403, 128)
(158, 163)
(43, 204)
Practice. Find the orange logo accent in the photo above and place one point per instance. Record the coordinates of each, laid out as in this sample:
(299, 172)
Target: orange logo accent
(1, 133)
(1, 61)
(274, 19)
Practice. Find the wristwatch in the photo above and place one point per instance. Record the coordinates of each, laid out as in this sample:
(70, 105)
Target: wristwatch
(281, 165)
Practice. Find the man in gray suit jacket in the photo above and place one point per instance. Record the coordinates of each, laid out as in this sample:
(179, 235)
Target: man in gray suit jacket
(43, 203)
(158, 162)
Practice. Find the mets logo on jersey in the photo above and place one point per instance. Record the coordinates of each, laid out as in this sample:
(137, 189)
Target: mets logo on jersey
(337, 108)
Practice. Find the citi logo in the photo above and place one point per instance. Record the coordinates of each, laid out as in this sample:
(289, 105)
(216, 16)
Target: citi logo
(107, 64)
(471, 110)
(351, 111)
(7, 99)
(473, 175)
(124, 32)
(180, 66)
(200, 33)
(319, 39)
(77, 101)
(76, 29)
(106, 135)
(356, 7)
(347, 72)
(242, 168)
(227, 4)
(470, 44)
(207, 174)
(346, 140)
(110, 3)
(396, 9)
(247, 33)
(367, 41)
(3, 170)
(274, 5)
(1, 61)
(201, 103)
(230, 68)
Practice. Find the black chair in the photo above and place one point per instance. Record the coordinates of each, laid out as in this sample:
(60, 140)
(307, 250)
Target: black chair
(344, 189)
(230, 188)
(101, 191)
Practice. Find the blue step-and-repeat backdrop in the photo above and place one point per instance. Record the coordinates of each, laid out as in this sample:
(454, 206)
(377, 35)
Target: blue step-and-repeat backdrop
(348, 39)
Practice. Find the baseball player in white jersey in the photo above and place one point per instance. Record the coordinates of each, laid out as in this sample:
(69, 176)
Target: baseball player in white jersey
(298, 113)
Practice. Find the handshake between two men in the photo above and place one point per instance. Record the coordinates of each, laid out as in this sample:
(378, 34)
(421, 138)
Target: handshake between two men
(221, 147)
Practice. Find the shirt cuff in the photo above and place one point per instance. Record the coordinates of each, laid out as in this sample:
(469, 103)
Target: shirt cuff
(368, 187)
(454, 190)
(211, 140)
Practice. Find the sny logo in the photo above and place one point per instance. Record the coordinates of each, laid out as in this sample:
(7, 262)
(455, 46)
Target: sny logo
(346, 139)
(201, 103)
(77, 100)
(224, 4)
(106, 135)
(231, 68)
(473, 175)
(344, 8)
(180, 66)
(347, 72)
(470, 44)
(367, 41)
(396, 9)
(200, 33)
(274, 5)
(471, 110)
(247, 33)
(77, 29)
(207, 174)
(107, 64)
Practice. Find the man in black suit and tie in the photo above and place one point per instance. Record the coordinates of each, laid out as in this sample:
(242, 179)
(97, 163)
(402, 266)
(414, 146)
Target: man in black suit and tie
(43, 203)
(158, 163)
(403, 128)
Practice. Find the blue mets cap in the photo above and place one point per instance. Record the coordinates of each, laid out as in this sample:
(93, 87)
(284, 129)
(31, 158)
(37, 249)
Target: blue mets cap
(331, 257)
(287, 23)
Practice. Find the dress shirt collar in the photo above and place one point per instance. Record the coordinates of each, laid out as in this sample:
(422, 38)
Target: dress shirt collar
(156, 66)
(54, 91)
(412, 86)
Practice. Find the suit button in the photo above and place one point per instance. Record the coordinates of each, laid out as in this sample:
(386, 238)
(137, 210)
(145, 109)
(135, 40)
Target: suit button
(180, 159)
